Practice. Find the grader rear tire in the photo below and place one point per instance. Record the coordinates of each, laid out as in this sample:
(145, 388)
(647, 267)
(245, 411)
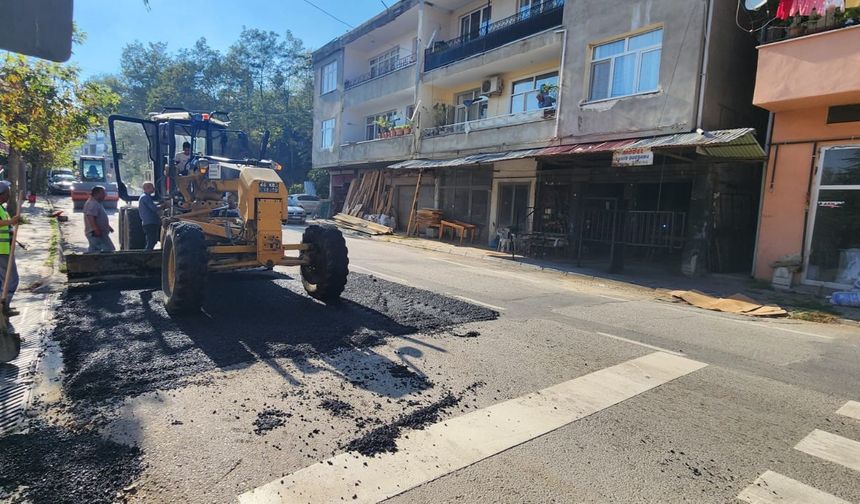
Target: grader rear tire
(184, 268)
(325, 277)
(131, 235)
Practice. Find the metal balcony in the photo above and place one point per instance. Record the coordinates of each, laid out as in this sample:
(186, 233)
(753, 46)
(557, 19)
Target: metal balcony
(375, 74)
(536, 19)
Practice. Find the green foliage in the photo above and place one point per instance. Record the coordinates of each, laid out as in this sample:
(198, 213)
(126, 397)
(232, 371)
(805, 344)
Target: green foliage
(320, 177)
(45, 110)
(297, 189)
(264, 80)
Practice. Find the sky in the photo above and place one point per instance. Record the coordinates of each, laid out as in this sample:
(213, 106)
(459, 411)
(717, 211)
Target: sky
(111, 24)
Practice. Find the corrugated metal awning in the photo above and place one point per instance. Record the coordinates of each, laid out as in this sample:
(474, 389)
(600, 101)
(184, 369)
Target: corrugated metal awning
(475, 159)
(726, 144)
(737, 143)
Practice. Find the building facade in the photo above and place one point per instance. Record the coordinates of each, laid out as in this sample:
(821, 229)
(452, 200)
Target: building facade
(811, 193)
(562, 120)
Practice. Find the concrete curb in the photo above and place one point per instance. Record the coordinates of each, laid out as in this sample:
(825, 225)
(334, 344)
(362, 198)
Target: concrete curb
(498, 259)
(650, 292)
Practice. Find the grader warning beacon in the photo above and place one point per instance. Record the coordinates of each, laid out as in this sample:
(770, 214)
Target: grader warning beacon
(222, 207)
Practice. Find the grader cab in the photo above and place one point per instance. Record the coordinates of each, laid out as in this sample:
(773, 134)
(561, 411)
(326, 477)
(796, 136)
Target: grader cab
(222, 209)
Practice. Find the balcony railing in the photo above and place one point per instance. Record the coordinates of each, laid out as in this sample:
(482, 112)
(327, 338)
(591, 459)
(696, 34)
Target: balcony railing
(490, 122)
(537, 18)
(800, 29)
(375, 74)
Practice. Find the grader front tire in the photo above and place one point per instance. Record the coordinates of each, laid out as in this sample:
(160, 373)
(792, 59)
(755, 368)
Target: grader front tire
(184, 268)
(324, 278)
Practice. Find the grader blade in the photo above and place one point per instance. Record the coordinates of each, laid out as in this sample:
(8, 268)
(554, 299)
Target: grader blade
(99, 266)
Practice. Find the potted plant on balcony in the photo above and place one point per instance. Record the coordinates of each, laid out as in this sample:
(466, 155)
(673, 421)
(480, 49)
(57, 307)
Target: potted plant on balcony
(796, 28)
(814, 22)
(383, 124)
(547, 95)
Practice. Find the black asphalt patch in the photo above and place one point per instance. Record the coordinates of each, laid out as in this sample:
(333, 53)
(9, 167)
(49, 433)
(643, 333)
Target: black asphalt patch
(384, 439)
(53, 465)
(117, 340)
(337, 407)
(269, 419)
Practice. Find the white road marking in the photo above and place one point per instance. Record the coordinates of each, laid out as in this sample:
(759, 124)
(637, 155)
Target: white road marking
(453, 444)
(646, 345)
(612, 297)
(381, 275)
(762, 325)
(832, 448)
(480, 303)
(774, 488)
(850, 409)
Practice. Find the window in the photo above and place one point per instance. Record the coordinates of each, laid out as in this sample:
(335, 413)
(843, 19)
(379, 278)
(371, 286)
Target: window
(843, 114)
(464, 194)
(532, 7)
(93, 170)
(513, 206)
(327, 134)
(627, 66)
(371, 129)
(526, 94)
(384, 63)
(834, 244)
(466, 109)
(475, 24)
(329, 78)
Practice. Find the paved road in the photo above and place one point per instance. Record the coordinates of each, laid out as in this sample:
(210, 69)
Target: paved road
(575, 393)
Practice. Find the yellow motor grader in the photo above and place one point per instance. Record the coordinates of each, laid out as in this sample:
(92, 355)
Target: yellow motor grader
(222, 208)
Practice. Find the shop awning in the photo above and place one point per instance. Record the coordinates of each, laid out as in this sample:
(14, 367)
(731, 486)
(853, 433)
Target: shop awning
(732, 144)
(475, 159)
(726, 144)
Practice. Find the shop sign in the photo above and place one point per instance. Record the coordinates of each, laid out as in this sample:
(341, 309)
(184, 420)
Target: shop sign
(633, 157)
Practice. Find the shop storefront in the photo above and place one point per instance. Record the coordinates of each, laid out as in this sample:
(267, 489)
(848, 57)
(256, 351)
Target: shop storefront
(683, 202)
(833, 244)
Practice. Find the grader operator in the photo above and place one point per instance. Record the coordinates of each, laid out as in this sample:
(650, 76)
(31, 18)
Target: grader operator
(221, 211)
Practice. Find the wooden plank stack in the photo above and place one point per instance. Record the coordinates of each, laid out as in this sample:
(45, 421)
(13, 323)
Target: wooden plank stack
(369, 195)
(362, 226)
(428, 218)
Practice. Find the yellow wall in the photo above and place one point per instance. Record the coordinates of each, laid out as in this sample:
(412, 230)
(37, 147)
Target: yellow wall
(499, 104)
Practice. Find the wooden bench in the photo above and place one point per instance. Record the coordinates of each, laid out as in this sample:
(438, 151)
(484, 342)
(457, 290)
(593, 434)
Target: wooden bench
(458, 228)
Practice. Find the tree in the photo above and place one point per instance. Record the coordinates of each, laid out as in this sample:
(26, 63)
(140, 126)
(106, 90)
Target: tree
(264, 80)
(44, 111)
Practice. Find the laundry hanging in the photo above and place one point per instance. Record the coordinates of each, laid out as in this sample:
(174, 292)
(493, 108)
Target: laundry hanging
(784, 10)
(806, 7)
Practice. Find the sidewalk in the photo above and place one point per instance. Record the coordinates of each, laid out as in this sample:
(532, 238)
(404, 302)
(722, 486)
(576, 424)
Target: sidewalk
(651, 280)
(37, 267)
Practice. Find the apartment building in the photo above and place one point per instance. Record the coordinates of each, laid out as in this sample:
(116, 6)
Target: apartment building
(95, 144)
(810, 219)
(571, 124)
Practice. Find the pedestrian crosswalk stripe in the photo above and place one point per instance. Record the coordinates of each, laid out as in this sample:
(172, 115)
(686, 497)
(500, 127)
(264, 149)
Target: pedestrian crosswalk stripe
(773, 488)
(453, 444)
(850, 409)
(832, 448)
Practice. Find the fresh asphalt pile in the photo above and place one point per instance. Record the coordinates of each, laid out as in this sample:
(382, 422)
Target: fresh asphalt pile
(56, 466)
(119, 342)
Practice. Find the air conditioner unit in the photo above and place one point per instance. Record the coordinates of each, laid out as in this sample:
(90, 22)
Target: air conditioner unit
(492, 86)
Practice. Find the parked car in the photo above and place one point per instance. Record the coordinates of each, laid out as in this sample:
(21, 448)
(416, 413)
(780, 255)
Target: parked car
(295, 214)
(61, 183)
(309, 202)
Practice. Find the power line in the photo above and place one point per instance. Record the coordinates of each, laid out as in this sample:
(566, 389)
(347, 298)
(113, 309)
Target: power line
(383, 4)
(327, 13)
